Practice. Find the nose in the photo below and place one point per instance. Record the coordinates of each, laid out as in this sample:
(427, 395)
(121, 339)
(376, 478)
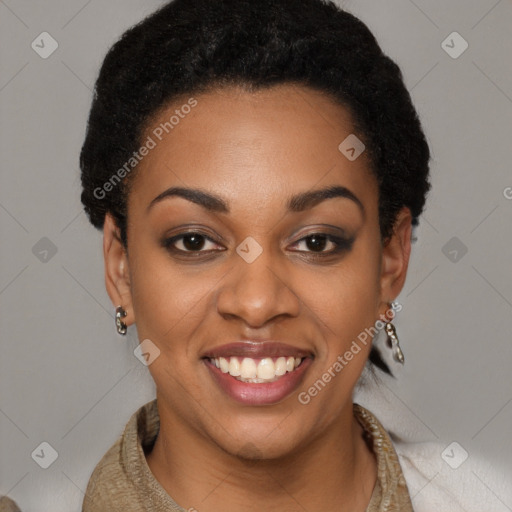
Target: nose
(258, 292)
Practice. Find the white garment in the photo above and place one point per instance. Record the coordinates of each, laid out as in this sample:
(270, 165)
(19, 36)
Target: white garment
(439, 477)
(434, 486)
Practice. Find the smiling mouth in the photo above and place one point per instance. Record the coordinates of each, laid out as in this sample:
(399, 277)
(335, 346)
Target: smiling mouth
(257, 370)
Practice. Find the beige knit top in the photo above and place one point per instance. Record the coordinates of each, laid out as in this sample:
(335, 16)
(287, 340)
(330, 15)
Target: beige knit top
(123, 482)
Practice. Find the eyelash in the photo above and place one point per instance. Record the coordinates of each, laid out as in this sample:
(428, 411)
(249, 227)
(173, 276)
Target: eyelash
(341, 244)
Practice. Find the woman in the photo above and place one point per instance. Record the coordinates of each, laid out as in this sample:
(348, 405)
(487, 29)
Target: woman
(257, 168)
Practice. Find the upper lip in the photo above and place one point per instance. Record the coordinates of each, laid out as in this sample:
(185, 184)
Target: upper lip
(256, 349)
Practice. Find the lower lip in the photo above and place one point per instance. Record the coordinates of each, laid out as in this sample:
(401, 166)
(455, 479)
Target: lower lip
(265, 393)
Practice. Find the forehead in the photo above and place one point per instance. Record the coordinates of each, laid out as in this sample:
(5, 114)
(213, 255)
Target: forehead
(252, 146)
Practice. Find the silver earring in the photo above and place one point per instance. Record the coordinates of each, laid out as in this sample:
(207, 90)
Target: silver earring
(393, 343)
(120, 325)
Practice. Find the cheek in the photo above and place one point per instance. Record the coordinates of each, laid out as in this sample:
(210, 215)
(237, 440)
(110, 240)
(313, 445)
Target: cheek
(350, 294)
(168, 299)
(345, 304)
(348, 315)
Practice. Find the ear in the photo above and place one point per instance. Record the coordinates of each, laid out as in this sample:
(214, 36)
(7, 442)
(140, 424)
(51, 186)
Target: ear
(117, 275)
(395, 259)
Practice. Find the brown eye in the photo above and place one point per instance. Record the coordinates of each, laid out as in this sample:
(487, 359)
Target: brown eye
(319, 242)
(189, 242)
(193, 242)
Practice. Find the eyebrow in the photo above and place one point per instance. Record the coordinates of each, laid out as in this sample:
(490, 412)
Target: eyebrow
(298, 203)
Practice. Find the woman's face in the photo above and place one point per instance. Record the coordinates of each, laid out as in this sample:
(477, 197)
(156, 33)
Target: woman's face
(248, 260)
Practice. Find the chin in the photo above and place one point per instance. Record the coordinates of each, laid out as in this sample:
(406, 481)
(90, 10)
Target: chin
(272, 438)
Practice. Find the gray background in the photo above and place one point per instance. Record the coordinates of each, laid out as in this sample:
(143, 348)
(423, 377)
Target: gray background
(68, 379)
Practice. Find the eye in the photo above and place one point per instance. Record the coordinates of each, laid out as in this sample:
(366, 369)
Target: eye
(191, 242)
(323, 243)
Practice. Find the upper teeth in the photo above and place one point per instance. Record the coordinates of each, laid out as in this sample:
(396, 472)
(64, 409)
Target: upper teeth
(256, 370)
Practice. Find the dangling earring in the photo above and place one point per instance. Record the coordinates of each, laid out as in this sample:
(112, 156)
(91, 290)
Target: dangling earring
(393, 343)
(120, 325)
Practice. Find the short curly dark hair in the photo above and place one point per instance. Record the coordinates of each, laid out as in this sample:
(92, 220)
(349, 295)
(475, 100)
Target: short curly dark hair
(192, 46)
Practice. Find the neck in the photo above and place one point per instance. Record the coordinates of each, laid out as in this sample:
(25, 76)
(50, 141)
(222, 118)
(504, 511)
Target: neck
(337, 470)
